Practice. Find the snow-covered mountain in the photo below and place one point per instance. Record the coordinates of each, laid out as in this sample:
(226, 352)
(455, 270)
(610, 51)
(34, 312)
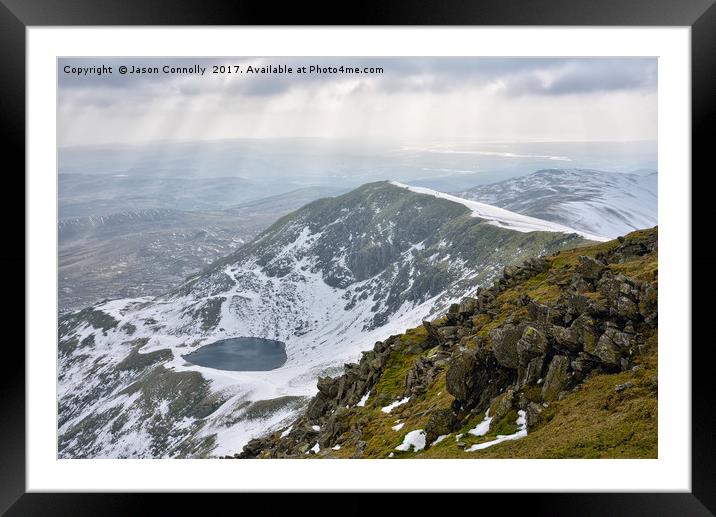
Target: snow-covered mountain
(597, 202)
(328, 280)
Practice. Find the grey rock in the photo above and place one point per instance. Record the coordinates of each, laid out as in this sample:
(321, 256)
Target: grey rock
(589, 268)
(318, 406)
(544, 314)
(612, 346)
(448, 332)
(531, 373)
(360, 449)
(534, 413)
(501, 405)
(557, 377)
(533, 343)
(467, 306)
(441, 421)
(621, 387)
(434, 337)
(420, 376)
(504, 344)
(584, 328)
(474, 376)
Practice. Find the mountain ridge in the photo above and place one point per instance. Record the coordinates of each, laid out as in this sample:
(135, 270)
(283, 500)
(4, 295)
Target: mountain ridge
(598, 202)
(328, 279)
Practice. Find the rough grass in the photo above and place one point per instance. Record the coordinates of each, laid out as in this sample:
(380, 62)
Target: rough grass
(392, 382)
(644, 270)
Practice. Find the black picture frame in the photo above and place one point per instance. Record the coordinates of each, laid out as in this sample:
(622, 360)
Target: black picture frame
(17, 15)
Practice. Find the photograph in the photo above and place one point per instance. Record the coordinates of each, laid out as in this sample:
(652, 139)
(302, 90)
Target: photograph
(325, 257)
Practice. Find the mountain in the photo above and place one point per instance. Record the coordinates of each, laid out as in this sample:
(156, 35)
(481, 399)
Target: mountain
(602, 203)
(146, 252)
(557, 359)
(327, 280)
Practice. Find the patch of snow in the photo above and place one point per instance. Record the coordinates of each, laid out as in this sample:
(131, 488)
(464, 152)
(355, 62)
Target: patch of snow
(521, 433)
(439, 439)
(483, 426)
(414, 439)
(398, 427)
(390, 407)
(286, 432)
(336, 447)
(363, 400)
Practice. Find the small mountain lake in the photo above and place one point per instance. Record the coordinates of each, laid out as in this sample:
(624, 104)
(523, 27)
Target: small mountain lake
(241, 354)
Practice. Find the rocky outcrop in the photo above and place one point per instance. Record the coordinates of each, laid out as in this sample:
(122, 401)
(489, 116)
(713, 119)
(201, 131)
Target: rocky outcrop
(520, 344)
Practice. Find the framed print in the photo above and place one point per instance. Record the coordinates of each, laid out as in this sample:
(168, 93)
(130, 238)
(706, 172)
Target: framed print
(390, 256)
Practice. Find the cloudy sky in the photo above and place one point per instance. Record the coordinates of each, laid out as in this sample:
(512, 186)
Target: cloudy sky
(414, 99)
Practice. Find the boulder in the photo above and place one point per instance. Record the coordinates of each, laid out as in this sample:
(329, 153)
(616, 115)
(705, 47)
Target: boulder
(434, 337)
(626, 307)
(612, 346)
(459, 378)
(449, 332)
(467, 306)
(510, 272)
(485, 299)
(534, 414)
(501, 405)
(328, 386)
(532, 372)
(583, 364)
(504, 344)
(648, 303)
(441, 421)
(584, 328)
(565, 338)
(557, 377)
(469, 374)
(544, 314)
(577, 304)
(333, 427)
(318, 406)
(579, 285)
(590, 269)
(253, 448)
(360, 449)
(532, 343)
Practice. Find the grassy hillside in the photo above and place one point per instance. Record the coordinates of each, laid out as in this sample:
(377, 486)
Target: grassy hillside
(567, 343)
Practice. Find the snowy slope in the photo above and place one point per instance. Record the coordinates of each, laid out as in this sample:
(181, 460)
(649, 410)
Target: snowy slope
(328, 280)
(597, 202)
(504, 218)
